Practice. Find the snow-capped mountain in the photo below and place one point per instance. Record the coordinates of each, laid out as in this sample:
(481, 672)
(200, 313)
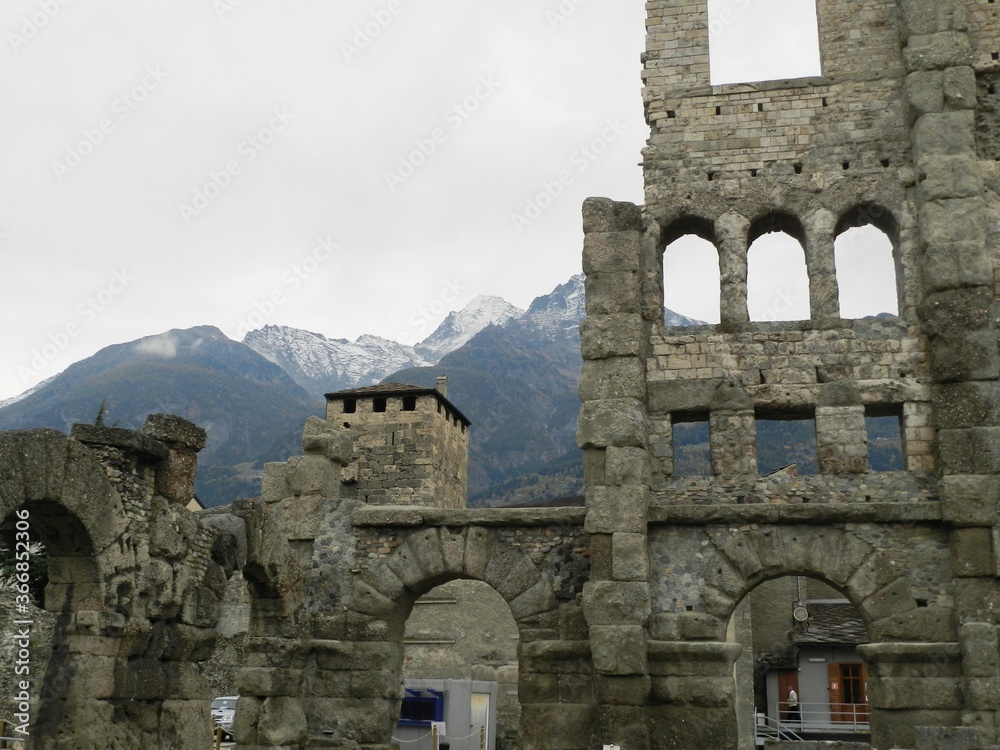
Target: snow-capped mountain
(456, 329)
(560, 310)
(321, 365)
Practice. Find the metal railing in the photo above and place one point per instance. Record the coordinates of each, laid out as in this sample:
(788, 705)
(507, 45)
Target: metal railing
(826, 717)
(772, 729)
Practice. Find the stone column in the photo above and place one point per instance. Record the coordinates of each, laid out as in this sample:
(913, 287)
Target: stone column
(731, 232)
(841, 434)
(732, 431)
(175, 476)
(613, 433)
(959, 322)
(824, 294)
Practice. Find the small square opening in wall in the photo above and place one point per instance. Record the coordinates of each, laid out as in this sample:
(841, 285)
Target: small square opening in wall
(378, 404)
(786, 441)
(350, 405)
(409, 403)
(692, 446)
(884, 428)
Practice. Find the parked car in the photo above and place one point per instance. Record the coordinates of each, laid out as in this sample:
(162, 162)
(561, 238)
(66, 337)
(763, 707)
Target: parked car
(223, 711)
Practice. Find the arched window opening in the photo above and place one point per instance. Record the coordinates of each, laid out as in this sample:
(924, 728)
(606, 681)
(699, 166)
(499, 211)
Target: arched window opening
(691, 287)
(866, 273)
(460, 668)
(799, 675)
(777, 279)
(762, 41)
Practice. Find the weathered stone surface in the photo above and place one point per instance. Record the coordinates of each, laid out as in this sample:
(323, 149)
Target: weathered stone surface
(610, 252)
(613, 378)
(612, 335)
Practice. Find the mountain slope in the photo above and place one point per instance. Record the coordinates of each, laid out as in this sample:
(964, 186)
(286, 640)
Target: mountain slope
(320, 365)
(236, 395)
(459, 327)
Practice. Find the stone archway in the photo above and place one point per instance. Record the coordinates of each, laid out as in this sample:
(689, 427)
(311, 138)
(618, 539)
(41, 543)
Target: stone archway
(370, 665)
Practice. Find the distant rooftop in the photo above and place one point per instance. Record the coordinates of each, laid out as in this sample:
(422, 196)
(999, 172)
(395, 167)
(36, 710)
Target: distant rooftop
(832, 622)
(397, 389)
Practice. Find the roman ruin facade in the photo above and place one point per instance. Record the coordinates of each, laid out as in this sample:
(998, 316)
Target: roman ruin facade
(622, 606)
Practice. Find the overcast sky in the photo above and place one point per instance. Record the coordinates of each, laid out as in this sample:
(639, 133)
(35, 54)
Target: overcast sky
(343, 167)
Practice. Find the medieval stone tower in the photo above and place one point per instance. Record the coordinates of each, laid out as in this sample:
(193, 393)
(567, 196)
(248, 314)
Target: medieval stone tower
(411, 444)
(899, 131)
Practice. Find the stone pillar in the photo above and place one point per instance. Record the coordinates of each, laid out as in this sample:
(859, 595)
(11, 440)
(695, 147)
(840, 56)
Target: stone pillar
(841, 434)
(959, 322)
(175, 476)
(911, 685)
(733, 431)
(731, 231)
(694, 694)
(824, 294)
(613, 433)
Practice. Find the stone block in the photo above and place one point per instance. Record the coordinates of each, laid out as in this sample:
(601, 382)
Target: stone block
(925, 91)
(478, 551)
(281, 721)
(960, 87)
(620, 422)
(368, 601)
(170, 428)
(949, 222)
(946, 738)
(681, 395)
(533, 687)
(974, 450)
(619, 649)
(693, 659)
(313, 475)
(616, 603)
(605, 215)
(269, 681)
(615, 292)
(536, 599)
(601, 561)
(594, 467)
(930, 624)
(627, 466)
(555, 657)
(631, 690)
(897, 728)
(322, 438)
(630, 560)
(894, 599)
(555, 726)
(229, 541)
(698, 626)
(983, 693)
(613, 378)
(944, 177)
(972, 552)
(91, 676)
(687, 726)
(425, 547)
(185, 723)
(613, 335)
(184, 681)
(610, 252)
(944, 49)
(915, 692)
(964, 355)
(274, 484)
(980, 656)
(970, 404)
(695, 691)
(977, 600)
(621, 509)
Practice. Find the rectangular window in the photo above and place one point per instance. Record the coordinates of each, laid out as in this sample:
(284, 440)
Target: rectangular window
(786, 441)
(378, 404)
(421, 707)
(692, 449)
(350, 405)
(883, 424)
(409, 403)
